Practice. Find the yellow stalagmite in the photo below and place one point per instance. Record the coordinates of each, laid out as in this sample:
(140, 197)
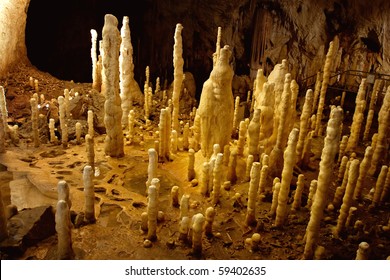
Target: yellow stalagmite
(287, 173)
(380, 183)
(329, 152)
(64, 231)
(304, 123)
(364, 165)
(89, 194)
(178, 75)
(96, 80)
(250, 218)
(112, 107)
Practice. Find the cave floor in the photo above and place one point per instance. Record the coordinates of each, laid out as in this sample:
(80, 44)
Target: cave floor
(30, 175)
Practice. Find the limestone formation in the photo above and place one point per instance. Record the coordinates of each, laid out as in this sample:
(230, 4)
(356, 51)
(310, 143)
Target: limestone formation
(378, 85)
(386, 189)
(324, 86)
(287, 173)
(379, 186)
(348, 196)
(178, 75)
(364, 165)
(152, 213)
(304, 123)
(208, 227)
(217, 178)
(34, 121)
(381, 143)
(362, 251)
(112, 107)
(316, 94)
(254, 135)
(266, 105)
(90, 149)
(329, 151)
(298, 193)
(216, 105)
(175, 196)
(174, 142)
(197, 234)
(63, 192)
(183, 228)
(250, 218)
(96, 76)
(89, 194)
(263, 179)
(64, 231)
(63, 121)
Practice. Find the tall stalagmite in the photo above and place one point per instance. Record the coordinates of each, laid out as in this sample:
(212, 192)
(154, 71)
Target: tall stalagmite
(178, 75)
(216, 105)
(112, 106)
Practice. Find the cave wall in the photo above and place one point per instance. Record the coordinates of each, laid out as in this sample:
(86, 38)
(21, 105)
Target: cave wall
(12, 34)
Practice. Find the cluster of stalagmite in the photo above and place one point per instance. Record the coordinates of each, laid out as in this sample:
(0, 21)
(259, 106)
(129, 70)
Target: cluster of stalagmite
(112, 106)
(329, 151)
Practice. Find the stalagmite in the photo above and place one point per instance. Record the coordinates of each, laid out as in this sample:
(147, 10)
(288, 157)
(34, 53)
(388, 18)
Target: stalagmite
(34, 121)
(178, 75)
(175, 196)
(342, 168)
(263, 179)
(329, 151)
(191, 165)
(205, 179)
(216, 105)
(304, 123)
(131, 125)
(343, 145)
(211, 174)
(186, 135)
(90, 149)
(236, 121)
(364, 165)
(241, 138)
(197, 234)
(4, 111)
(386, 189)
(378, 85)
(358, 118)
(254, 135)
(362, 251)
(312, 191)
(217, 178)
(231, 173)
(36, 86)
(276, 155)
(96, 80)
(174, 142)
(217, 45)
(53, 137)
(380, 182)
(3, 220)
(266, 105)
(249, 162)
(2, 137)
(126, 69)
(63, 122)
(316, 93)
(152, 166)
(340, 190)
(287, 173)
(163, 126)
(208, 227)
(64, 231)
(112, 107)
(275, 194)
(196, 137)
(89, 194)
(250, 218)
(324, 87)
(78, 133)
(183, 228)
(298, 193)
(91, 130)
(351, 217)
(347, 199)
(381, 142)
(152, 213)
(66, 104)
(184, 205)
(292, 113)
(63, 192)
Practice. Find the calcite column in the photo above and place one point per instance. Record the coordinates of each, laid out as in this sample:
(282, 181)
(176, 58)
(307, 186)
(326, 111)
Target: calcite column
(216, 105)
(113, 143)
(329, 152)
(178, 75)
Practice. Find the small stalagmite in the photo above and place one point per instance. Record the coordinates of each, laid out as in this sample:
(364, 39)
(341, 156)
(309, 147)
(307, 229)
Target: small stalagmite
(90, 149)
(329, 151)
(386, 189)
(204, 189)
(347, 199)
(53, 137)
(191, 165)
(236, 121)
(78, 133)
(364, 165)
(183, 228)
(63, 122)
(304, 123)
(184, 205)
(342, 168)
(208, 227)
(254, 135)
(250, 219)
(287, 173)
(249, 162)
(216, 105)
(217, 178)
(380, 183)
(241, 138)
(112, 106)
(263, 179)
(152, 166)
(231, 173)
(197, 234)
(362, 251)
(34, 121)
(298, 193)
(316, 94)
(64, 231)
(312, 191)
(2, 137)
(175, 196)
(91, 130)
(152, 213)
(275, 194)
(383, 127)
(63, 192)
(89, 194)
